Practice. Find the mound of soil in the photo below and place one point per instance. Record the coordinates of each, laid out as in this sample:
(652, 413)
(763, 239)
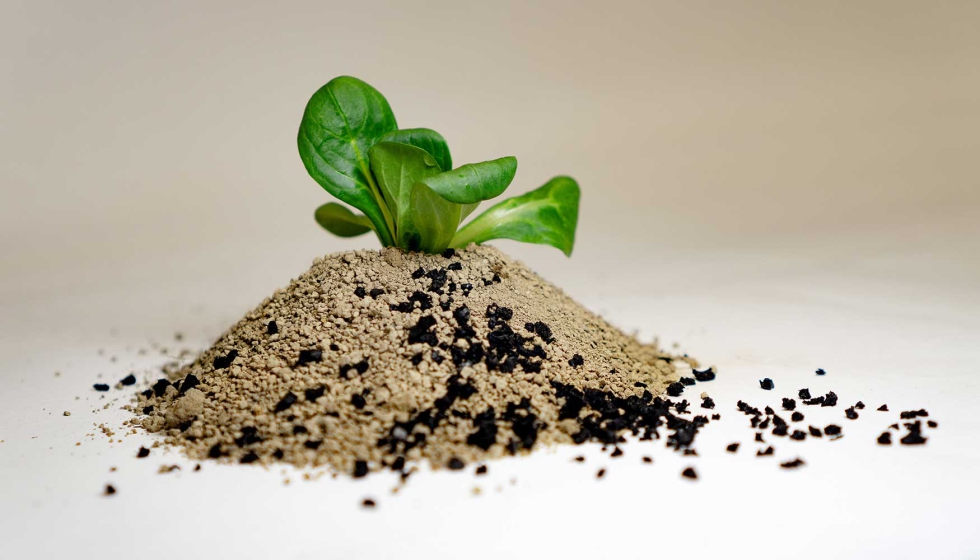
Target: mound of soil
(376, 359)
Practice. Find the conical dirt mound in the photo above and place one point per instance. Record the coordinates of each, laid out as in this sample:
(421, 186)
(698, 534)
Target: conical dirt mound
(373, 359)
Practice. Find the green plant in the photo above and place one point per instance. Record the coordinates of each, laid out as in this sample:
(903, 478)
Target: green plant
(404, 182)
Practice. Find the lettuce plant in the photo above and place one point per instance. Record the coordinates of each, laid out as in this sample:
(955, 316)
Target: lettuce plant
(404, 182)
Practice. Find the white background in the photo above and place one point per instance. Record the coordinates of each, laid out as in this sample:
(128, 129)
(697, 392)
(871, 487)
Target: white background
(777, 187)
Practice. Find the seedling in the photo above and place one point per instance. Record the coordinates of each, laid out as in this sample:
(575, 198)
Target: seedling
(404, 182)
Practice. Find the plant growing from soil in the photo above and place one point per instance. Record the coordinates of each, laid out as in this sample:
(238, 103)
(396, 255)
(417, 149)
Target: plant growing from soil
(404, 182)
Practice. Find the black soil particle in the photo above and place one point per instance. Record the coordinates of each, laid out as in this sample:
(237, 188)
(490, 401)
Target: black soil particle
(706, 375)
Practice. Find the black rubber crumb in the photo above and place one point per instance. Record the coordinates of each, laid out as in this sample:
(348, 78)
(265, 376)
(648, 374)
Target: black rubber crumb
(689, 472)
(368, 503)
(932, 424)
(851, 413)
(797, 417)
(789, 404)
(795, 463)
(482, 469)
(360, 466)
(859, 405)
(616, 453)
(580, 459)
(706, 375)
(576, 361)
(315, 393)
(830, 399)
(272, 328)
(601, 473)
(716, 416)
(832, 430)
(708, 402)
(885, 438)
(821, 372)
(758, 437)
(688, 381)
(768, 451)
(883, 408)
(815, 431)
(798, 435)
(251, 457)
(128, 380)
(647, 459)
(287, 401)
(142, 453)
(804, 394)
(449, 253)
(675, 389)
(197, 467)
(222, 362)
(308, 356)
(456, 465)
(109, 490)
(914, 437)
(358, 401)
(766, 384)
(101, 387)
(732, 447)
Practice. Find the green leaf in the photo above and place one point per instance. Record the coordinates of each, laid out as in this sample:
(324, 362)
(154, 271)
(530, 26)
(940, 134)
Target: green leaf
(340, 221)
(467, 210)
(342, 121)
(398, 167)
(427, 139)
(547, 216)
(434, 218)
(474, 182)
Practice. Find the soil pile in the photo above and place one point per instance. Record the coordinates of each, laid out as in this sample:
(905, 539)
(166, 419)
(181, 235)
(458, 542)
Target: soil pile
(376, 359)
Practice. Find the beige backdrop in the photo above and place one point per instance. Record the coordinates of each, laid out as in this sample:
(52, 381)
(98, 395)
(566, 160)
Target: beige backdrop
(157, 139)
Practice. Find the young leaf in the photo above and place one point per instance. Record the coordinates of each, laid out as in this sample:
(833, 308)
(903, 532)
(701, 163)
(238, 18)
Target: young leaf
(342, 121)
(467, 210)
(398, 167)
(434, 218)
(547, 216)
(340, 221)
(427, 139)
(474, 182)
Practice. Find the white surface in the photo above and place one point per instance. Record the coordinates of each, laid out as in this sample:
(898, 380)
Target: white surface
(778, 186)
(883, 338)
